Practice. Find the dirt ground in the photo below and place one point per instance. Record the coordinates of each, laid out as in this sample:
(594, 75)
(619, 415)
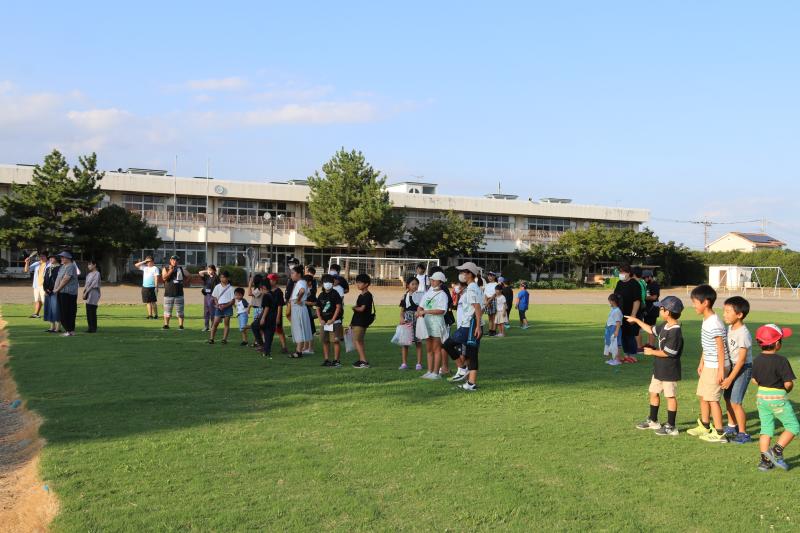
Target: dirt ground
(26, 504)
(130, 294)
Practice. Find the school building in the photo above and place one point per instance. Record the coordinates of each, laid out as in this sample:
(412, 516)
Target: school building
(217, 221)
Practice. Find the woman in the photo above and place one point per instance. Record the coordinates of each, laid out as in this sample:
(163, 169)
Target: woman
(432, 310)
(51, 298)
(301, 324)
(91, 295)
(630, 290)
(490, 307)
(66, 288)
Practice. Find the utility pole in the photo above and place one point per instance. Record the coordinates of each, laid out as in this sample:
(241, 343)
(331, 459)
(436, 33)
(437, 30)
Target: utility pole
(175, 207)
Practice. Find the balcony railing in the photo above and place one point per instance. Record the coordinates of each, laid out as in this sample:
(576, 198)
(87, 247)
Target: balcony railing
(212, 221)
(523, 235)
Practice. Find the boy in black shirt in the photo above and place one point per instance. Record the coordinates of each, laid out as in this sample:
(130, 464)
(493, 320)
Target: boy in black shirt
(775, 379)
(363, 316)
(329, 312)
(666, 365)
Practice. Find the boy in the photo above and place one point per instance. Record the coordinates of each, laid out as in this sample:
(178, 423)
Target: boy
(311, 301)
(424, 283)
(278, 301)
(666, 365)
(523, 298)
(329, 312)
(714, 366)
(242, 309)
(508, 293)
(463, 345)
(775, 379)
(740, 348)
(363, 316)
(336, 271)
(271, 305)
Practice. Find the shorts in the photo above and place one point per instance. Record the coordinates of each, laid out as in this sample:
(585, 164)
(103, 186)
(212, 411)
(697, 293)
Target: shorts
(651, 317)
(225, 313)
(38, 295)
(461, 343)
(772, 404)
(522, 314)
(669, 388)
(149, 295)
(735, 393)
(173, 303)
(707, 387)
(332, 337)
(242, 317)
(358, 333)
(490, 308)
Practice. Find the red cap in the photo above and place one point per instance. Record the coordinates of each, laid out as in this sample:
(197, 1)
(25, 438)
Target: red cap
(272, 277)
(771, 333)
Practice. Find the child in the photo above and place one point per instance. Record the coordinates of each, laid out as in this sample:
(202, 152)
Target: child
(463, 346)
(500, 315)
(311, 308)
(714, 366)
(242, 313)
(775, 379)
(223, 307)
(363, 316)
(489, 306)
(666, 365)
(740, 348)
(269, 317)
(257, 289)
(432, 310)
(408, 308)
(613, 327)
(329, 312)
(277, 301)
(523, 299)
(422, 279)
(301, 325)
(508, 292)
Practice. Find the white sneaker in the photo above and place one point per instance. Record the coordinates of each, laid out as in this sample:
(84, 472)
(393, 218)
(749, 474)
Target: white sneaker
(432, 376)
(470, 387)
(426, 375)
(460, 375)
(614, 362)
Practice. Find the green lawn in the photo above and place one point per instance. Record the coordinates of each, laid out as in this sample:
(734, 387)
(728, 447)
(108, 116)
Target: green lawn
(155, 430)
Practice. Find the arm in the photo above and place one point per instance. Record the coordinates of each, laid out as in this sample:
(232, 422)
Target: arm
(636, 305)
(720, 360)
(27, 266)
(726, 383)
(633, 320)
(478, 318)
(139, 264)
(337, 313)
(617, 328)
(264, 313)
(788, 385)
(64, 280)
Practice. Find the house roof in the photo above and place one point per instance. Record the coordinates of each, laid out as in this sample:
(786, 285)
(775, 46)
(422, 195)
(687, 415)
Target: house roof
(760, 240)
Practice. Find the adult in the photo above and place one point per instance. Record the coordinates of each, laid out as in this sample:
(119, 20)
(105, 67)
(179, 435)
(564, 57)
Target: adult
(149, 285)
(464, 344)
(91, 295)
(210, 280)
(51, 298)
(336, 271)
(653, 295)
(490, 307)
(174, 277)
(37, 269)
(631, 292)
(66, 287)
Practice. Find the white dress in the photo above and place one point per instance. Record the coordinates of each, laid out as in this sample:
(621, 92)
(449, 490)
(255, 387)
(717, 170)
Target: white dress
(301, 323)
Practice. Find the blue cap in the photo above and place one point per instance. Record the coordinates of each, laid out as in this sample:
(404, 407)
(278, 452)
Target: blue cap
(673, 304)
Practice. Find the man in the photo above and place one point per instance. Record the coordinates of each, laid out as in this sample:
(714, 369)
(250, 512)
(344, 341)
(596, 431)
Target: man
(149, 285)
(37, 269)
(650, 310)
(173, 276)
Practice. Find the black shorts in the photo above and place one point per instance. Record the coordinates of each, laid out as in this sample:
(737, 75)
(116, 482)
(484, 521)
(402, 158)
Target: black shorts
(148, 295)
(651, 317)
(522, 314)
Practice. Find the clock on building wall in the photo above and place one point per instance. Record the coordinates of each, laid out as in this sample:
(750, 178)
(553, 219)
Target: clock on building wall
(219, 189)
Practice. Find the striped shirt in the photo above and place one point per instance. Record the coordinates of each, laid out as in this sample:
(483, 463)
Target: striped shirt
(713, 328)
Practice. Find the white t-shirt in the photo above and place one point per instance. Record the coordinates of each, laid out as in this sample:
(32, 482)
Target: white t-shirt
(713, 328)
(149, 276)
(223, 293)
(466, 311)
(488, 289)
(340, 290)
(301, 284)
(240, 308)
(34, 269)
(500, 301)
(434, 299)
(423, 283)
(614, 316)
(738, 339)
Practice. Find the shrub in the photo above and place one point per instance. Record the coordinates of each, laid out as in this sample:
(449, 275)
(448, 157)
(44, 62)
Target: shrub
(238, 275)
(514, 272)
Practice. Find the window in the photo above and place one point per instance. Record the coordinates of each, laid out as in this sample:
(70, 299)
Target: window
(617, 225)
(487, 221)
(416, 218)
(251, 208)
(487, 261)
(549, 224)
(190, 254)
(141, 203)
(189, 204)
(231, 254)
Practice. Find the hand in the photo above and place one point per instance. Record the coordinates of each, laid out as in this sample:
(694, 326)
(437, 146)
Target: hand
(648, 351)
(720, 376)
(478, 331)
(630, 319)
(700, 370)
(726, 383)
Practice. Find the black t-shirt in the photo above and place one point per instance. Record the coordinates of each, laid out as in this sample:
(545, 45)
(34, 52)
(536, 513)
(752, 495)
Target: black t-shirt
(173, 287)
(268, 302)
(362, 318)
(209, 282)
(312, 290)
(772, 371)
(327, 302)
(508, 293)
(631, 292)
(670, 341)
(277, 297)
(653, 289)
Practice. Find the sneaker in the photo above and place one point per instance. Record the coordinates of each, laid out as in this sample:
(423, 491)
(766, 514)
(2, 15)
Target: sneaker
(433, 376)
(699, 430)
(742, 438)
(308, 352)
(500, 335)
(714, 437)
(165, 326)
(731, 432)
(243, 343)
(34, 316)
(777, 459)
(210, 341)
(765, 465)
(336, 364)
(418, 367)
(403, 367)
(469, 387)
(524, 327)
(224, 341)
(666, 429)
(361, 364)
(613, 362)
(648, 424)
(460, 375)
(326, 363)
(206, 330)
(180, 327)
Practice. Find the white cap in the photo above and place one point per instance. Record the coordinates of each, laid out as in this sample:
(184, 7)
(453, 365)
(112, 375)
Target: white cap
(439, 276)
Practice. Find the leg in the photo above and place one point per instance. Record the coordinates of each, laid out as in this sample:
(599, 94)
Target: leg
(214, 327)
(226, 328)
(705, 411)
(731, 413)
(325, 350)
(404, 355)
(419, 352)
(716, 414)
(429, 352)
(268, 334)
(337, 349)
(436, 344)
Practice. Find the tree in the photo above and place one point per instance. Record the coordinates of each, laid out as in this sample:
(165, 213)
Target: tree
(350, 206)
(449, 236)
(46, 212)
(585, 247)
(539, 257)
(113, 233)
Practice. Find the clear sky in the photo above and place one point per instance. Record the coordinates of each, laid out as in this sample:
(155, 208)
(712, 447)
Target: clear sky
(688, 108)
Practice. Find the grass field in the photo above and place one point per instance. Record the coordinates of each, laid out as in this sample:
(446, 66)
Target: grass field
(155, 430)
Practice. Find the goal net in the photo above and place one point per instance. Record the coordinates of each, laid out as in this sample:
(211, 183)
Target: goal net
(382, 270)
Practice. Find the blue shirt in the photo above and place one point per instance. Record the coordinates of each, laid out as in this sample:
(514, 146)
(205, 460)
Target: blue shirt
(523, 300)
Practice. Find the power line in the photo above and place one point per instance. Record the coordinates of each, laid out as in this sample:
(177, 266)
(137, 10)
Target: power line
(707, 224)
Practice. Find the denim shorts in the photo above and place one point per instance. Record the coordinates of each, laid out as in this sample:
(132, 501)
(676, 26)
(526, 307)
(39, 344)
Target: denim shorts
(242, 321)
(735, 393)
(227, 312)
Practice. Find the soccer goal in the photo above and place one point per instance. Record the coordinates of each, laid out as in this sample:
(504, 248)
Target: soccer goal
(382, 270)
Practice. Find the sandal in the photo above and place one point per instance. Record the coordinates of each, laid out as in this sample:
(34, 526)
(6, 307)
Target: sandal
(224, 341)
(210, 341)
(296, 355)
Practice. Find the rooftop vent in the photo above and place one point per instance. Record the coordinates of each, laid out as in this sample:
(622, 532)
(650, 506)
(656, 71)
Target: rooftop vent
(297, 182)
(501, 196)
(145, 171)
(556, 200)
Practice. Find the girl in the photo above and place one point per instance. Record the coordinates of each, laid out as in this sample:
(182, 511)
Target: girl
(501, 314)
(91, 294)
(301, 325)
(278, 302)
(432, 310)
(223, 307)
(489, 300)
(613, 327)
(408, 309)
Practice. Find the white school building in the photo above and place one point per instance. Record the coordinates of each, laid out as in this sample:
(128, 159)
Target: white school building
(216, 221)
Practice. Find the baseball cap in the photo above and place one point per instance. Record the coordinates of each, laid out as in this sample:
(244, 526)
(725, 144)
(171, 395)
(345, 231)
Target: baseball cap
(647, 273)
(175, 257)
(501, 279)
(673, 304)
(272, 277)
(439, 276)
(771, 333)
(469, 266)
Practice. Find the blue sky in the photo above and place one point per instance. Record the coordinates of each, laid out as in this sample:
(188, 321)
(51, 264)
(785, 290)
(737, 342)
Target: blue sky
(690, 110)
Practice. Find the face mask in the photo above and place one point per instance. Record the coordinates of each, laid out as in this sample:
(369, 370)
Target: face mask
(327, 286)
(462, 278)
(457, 289)
(333, 273)
(623, 277)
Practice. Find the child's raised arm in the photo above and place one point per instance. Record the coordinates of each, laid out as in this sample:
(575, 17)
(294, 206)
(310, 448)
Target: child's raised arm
(645, 327)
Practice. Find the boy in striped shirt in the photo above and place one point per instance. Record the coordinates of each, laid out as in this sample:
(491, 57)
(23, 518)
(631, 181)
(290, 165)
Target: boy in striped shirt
(715, 365)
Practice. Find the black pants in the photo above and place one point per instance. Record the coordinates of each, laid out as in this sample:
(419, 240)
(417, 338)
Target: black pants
(312, 316)
(255, 327)
(68, 308)
(267, 333)
(91, 317)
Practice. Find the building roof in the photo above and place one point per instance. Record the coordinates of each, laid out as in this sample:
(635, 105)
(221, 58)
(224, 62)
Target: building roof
(760, 240)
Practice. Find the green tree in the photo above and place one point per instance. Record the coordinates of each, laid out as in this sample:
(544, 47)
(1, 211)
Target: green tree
(350, 206)
(539, 257)
(585, 247)
(46, 212)
(114, 233)
(443, 238)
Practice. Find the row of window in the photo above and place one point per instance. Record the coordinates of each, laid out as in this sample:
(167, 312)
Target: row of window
(194, 204)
